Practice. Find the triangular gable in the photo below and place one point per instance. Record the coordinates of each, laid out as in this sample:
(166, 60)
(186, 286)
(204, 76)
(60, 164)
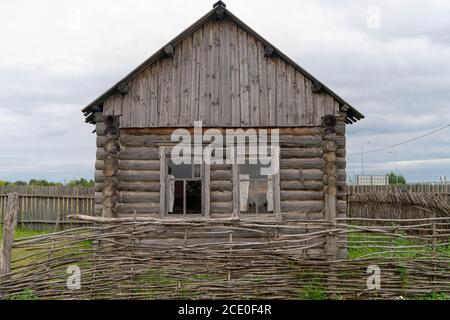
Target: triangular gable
(184, 81)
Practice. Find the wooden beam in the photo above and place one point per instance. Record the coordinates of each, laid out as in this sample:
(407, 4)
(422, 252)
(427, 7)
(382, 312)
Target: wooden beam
(269, 51)
(169, 51)
(316, 86)
(123, 87)
(10, 221)
(162, 181)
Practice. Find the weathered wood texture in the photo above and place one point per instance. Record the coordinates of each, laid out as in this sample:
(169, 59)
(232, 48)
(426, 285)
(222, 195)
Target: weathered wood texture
(219, 75)
(47, 208)
(301, 172)
(9, 224)
(110, 173)
(169, 253)
(399, 202)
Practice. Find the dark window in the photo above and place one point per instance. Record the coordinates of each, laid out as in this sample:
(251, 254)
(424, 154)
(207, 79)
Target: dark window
(184, 194)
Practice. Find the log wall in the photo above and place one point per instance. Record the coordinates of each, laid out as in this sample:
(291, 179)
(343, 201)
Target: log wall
(303, 161)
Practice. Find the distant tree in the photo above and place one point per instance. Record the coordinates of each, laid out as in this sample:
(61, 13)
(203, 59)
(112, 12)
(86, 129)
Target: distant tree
(42, 182)
(16, 183)
(394, 179)
(81, 183)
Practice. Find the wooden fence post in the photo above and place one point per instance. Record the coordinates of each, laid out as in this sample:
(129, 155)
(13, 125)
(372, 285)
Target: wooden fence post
(329, 147)
(9, 223)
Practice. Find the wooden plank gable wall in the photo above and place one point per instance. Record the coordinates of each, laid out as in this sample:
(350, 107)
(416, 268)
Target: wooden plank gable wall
(220, 75)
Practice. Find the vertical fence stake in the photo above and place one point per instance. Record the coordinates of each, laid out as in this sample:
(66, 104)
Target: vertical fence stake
(9, 223)
(434, 247)
(329, 148)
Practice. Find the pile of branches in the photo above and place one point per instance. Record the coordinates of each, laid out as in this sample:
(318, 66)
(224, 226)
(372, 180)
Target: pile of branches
(398, 204)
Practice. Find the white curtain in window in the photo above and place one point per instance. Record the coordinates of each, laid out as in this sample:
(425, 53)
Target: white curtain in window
(243, 191)
(269, 194)
(171, 192)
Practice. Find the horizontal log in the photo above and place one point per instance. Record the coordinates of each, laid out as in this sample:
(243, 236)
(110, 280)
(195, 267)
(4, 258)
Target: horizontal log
(139, 186)
(128, 140)
(299, 131)
(224, 175)
(132, 176)
(220, 167)
(139, 208)
(307, 141)
(341, 153)
(341, 163)
(221, 207)
(100, 128)
(101, 140)
(139, 154)
(99, 117)
(139, 165)
(287, 153)
(99, 164)
(312, 163)
(300, 195)
(138, 197)
(306, 216)
(221, 186)
(341, 206)
(307, 185)
(98, 198)
(98, 209)
(305, 206)
(340, 129)
(100, 154)
(217, 196)
(301, 175)
(340, 140)
(98, 176)
(98, 186)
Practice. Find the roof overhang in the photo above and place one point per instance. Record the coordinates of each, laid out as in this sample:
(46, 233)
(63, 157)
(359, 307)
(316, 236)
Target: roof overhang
(353, 115)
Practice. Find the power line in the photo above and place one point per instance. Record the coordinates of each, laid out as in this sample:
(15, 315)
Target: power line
(401, 143)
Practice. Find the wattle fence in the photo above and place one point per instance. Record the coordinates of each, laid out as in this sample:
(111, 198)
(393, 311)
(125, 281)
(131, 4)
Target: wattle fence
(397, 236)
(47, 208)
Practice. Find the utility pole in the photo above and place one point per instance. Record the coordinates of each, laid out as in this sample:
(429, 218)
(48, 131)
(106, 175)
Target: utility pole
(362, 157)
(396, 165)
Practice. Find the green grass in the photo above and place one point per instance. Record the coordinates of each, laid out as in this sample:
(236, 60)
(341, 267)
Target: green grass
(435, 296)
(22, 257)
(22, 233)
(361, 249)
(26, 294)
(312, 285)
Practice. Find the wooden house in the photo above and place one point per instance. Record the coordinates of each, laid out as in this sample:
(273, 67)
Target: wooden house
(222, 73)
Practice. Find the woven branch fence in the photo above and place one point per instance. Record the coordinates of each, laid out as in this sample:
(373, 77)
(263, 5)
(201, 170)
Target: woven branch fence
(144, 258)
(46, 208)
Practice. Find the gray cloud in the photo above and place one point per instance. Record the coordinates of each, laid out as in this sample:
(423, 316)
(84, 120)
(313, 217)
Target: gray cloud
(60, 55)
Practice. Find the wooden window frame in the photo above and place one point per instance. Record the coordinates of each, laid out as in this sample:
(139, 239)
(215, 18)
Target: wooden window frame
(164, 158)
(237, 198)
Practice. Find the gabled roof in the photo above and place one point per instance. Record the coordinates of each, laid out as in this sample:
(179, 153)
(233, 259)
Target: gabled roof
(219, 8)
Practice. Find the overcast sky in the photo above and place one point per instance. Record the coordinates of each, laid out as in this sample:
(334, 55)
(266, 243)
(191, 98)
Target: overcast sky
(389, 59)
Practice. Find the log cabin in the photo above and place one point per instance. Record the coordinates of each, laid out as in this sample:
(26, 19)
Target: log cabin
(220, 72)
